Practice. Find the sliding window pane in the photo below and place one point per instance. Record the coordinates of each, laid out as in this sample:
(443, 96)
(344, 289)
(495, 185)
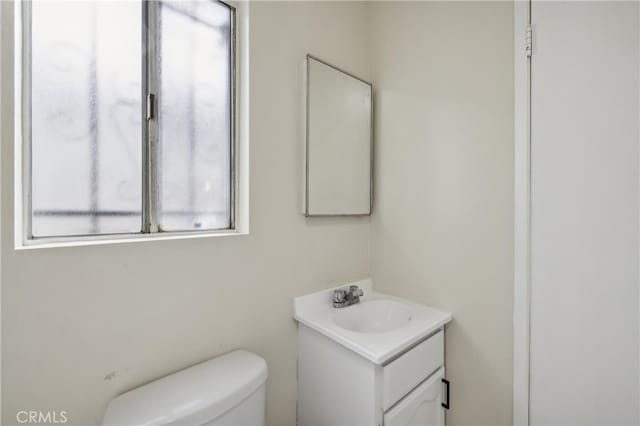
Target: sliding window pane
(85, 117)
(195, 108)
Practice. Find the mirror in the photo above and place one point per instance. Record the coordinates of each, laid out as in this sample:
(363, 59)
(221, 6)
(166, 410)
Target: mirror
(338, 145)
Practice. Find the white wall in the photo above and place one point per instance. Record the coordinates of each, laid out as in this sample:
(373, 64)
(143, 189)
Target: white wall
(442, 229)
(80, 325)
(584, 249)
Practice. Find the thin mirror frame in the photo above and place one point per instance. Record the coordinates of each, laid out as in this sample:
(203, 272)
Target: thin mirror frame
(307, 86)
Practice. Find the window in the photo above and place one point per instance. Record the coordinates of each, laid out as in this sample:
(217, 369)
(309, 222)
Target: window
(128, 117)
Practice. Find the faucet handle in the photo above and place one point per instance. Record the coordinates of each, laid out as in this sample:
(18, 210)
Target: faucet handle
(356, 291)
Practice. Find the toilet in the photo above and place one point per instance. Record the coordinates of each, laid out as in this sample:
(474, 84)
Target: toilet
(228, 390)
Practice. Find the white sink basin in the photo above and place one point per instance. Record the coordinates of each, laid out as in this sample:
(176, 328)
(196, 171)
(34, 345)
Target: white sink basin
(374, 316)
(378, 328)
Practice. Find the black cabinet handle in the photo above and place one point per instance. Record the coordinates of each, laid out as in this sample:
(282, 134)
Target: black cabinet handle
(448, 385)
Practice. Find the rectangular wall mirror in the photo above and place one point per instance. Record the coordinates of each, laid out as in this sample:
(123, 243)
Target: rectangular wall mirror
(338, 142)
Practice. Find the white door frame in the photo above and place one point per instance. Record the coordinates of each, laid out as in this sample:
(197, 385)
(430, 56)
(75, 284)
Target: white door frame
(522, 214)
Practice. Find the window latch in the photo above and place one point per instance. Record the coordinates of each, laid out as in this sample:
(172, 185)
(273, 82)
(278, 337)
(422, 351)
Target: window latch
(151, 110)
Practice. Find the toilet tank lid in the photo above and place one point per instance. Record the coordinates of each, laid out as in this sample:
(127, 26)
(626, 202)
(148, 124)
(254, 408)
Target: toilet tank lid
(191, 396)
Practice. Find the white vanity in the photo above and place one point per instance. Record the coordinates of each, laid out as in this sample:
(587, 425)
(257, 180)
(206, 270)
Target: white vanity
(376, 362)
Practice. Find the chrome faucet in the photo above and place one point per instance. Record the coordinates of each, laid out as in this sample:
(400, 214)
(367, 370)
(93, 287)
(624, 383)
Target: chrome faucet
(347, 296)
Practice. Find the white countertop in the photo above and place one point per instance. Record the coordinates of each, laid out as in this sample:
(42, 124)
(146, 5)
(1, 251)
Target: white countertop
(316, 311)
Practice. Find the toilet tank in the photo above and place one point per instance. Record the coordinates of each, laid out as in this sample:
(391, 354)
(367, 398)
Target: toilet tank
(228, 390)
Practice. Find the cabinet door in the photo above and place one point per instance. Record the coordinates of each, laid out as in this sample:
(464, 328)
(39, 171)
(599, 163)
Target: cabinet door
(421, 407)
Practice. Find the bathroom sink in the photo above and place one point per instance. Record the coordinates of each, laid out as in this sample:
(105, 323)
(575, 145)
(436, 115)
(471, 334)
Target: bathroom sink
(374, 316)
(378, 328)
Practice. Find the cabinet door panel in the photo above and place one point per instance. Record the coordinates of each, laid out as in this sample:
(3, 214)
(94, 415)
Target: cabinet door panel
(408, 371)
(421, 407)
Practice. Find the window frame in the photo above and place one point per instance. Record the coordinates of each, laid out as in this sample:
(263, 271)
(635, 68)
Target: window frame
(150, 230)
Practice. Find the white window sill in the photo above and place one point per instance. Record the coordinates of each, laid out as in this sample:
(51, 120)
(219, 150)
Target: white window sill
(56, 242)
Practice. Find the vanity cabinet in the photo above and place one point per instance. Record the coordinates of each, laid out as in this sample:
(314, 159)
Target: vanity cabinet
(337, 386)
(379, 361)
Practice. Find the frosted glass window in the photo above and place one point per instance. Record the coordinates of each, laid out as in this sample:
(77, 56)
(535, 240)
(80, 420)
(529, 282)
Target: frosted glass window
(131, 115)
(195, 110)
(86, 117)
